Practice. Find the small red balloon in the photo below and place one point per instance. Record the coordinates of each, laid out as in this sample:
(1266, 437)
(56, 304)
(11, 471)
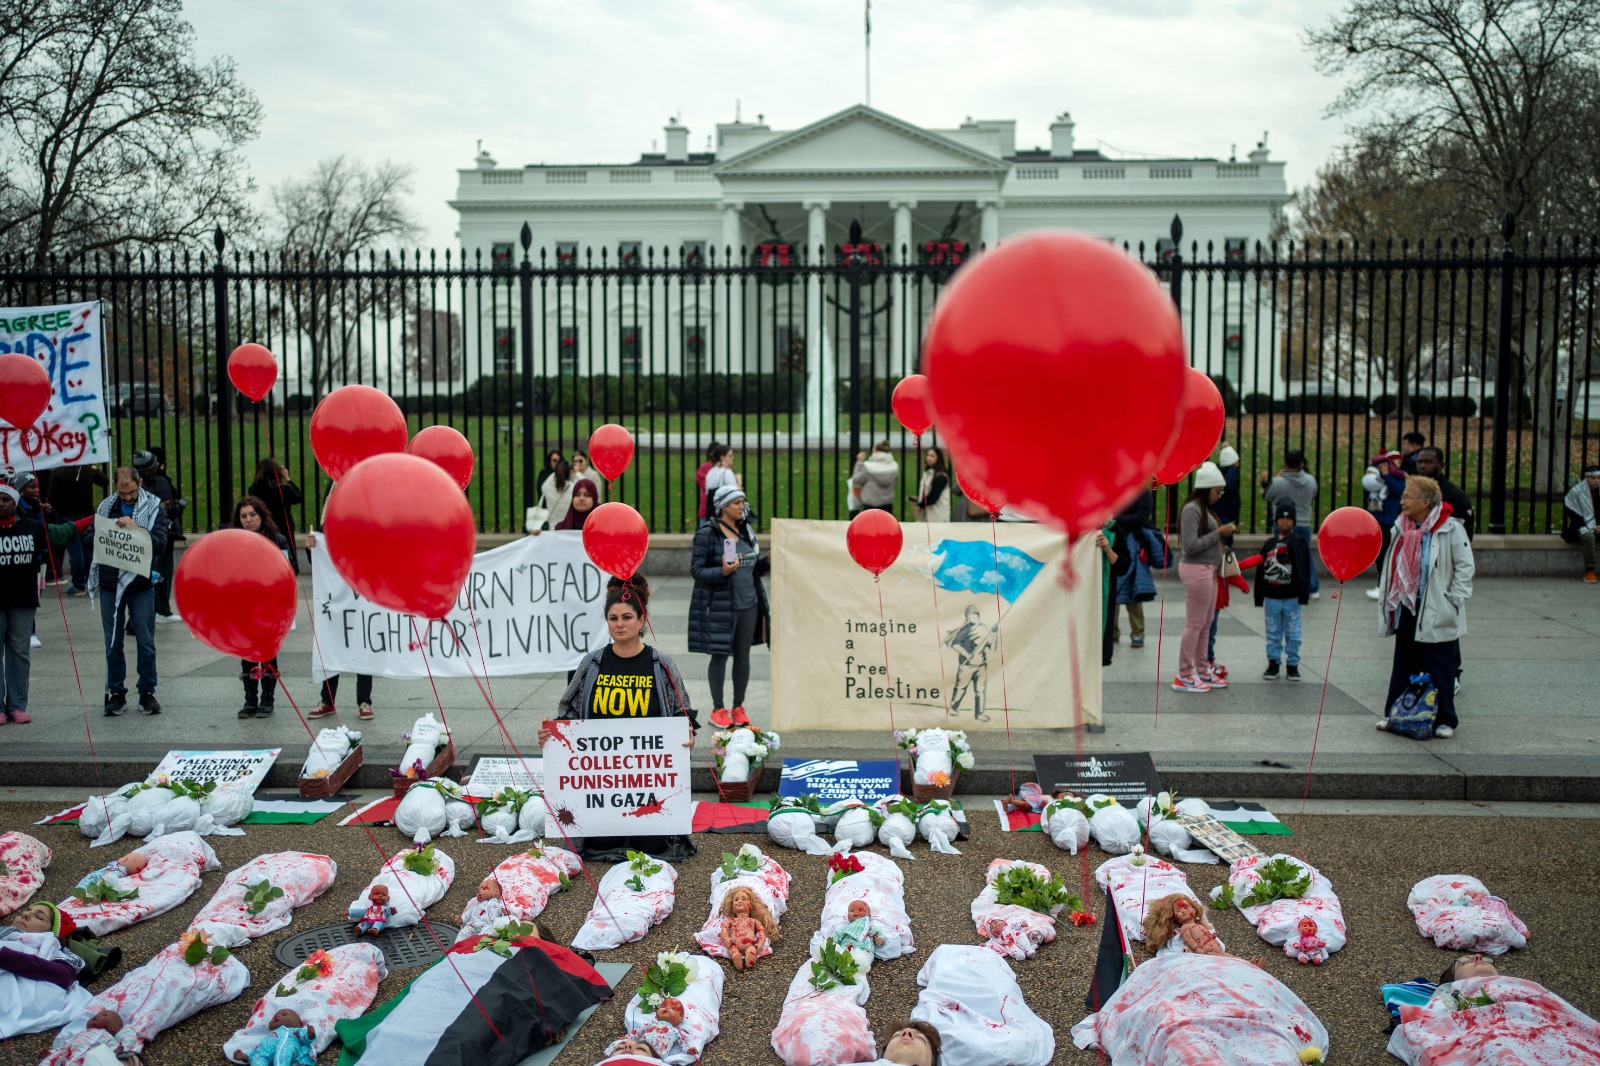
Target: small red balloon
(354, 423)
(253, 370)
(1200, 422)
(24, 389)
(610, 450)
(236, 593)
(874, 539)
(980, 494)
(1057, 337)
(616, 538)
(1349, 541)
(449, 449)
(401, 533)
(913, 404)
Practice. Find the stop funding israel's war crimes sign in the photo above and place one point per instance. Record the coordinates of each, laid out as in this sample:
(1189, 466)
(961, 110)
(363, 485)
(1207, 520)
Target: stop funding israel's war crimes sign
(619, 777)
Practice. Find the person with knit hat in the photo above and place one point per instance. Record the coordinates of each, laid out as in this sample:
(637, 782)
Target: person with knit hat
(23, 547)
(39, 987)
(1200, 535)
(1283, 585)
(728, 610)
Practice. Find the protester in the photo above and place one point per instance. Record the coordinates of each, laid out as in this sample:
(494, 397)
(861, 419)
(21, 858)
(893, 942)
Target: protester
(877, 476)
(32, 508)
(585, 498)
(1283, 585)
(1200, 538)
(932, 501)
(1136, 586)
(252, 515)
(627, 678)
(915, 1043)
(582, 469)
(22, 548)
(1295, 484)
(1230, 505)
(326, 701)
(127, 602)
(720, 476)
(1430, 463)
(1383, 483)
(551, 461)
(712, 454)
(555, 498)
(1116, 555)
(1582, 507)
(1410, 444)
(1427, 580)
(156, 482)
(273, 487)
(728, 610)
(73, 497)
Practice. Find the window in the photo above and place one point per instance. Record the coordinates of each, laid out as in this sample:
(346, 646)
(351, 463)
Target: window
(694, 348)
(791, 349)
(693, 253)
(1233, 353)
(505, 350)
(629, 345)
(628, 254)
(1233, 249)
(566, 255)
(567, 350)
(500, 255)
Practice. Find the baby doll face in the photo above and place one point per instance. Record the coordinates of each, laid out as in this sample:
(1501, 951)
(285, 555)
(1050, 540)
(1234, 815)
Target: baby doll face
(134, 863)
(109, 1020)
(379, 895)
(741, 904)
(858, 910)
(285, 1019)
(34, 919)
(1183, 911)
(670, 1011)
(488, 889)
(1308, 927)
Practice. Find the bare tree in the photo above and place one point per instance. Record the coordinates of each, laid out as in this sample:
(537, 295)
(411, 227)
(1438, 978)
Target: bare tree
(112, 132)
(432, 343)
(324, 223)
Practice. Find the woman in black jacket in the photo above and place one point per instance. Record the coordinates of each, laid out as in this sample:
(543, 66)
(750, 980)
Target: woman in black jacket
(252, 515)
(728, 611)
(273, 488)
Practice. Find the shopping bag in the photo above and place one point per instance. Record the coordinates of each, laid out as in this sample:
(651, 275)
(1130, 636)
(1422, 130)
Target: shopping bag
(1414, 710)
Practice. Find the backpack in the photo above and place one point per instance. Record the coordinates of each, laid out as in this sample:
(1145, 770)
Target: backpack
(1413, 712)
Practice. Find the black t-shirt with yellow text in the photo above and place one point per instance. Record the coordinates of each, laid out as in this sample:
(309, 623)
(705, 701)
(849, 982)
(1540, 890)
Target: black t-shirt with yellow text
(626, 688)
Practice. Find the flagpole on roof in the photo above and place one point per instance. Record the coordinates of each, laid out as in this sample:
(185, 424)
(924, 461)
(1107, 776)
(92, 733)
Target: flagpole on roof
(869, 51)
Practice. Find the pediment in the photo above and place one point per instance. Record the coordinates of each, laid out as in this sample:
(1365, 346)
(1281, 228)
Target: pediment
(860, 140)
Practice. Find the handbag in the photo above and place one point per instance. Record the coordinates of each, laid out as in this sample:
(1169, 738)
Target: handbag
(1230, 564)
(1413, 712)
(535, 518)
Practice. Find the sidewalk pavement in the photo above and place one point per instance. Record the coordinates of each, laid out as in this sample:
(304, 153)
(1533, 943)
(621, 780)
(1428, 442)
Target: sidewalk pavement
(1529, 706)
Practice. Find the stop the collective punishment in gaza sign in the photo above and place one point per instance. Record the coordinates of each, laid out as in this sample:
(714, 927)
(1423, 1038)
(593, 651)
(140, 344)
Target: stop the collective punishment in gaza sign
(619, 778)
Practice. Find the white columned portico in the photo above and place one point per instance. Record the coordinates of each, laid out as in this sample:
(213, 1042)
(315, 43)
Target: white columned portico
(900, 362)
(821, 406)
(733, 295)
(989, 227)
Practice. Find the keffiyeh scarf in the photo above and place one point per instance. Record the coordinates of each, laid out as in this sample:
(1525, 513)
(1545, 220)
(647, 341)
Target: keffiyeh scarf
(145, 511)
(1405, 567)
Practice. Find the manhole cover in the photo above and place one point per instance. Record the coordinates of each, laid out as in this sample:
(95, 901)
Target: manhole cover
(402, 949)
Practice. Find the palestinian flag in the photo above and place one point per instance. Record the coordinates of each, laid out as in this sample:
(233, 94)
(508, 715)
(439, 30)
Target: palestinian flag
(477, 1006)
(1248, 819)
(269, 808)
(730, 817)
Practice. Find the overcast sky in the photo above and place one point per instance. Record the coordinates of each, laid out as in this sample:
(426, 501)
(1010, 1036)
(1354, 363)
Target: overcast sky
(593, 81)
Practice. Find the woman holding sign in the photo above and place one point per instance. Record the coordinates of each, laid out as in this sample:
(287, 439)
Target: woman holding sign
(628, 679)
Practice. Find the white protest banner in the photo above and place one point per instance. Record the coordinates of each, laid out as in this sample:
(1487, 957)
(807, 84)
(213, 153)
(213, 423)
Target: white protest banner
(977, 630)
(233, 771)
(65, 339)
(537, 605)
(619, 777)
(491, 773)
(123, 547)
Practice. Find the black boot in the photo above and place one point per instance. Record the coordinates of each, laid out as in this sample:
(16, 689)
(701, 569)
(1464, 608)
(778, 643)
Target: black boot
(250, 685)
(269, 690)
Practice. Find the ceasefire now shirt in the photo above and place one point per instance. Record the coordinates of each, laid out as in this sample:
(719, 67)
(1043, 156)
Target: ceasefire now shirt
(626, 687)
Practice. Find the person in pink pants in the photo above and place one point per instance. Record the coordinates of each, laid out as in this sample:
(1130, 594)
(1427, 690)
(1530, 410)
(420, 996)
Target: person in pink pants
(1200, 536)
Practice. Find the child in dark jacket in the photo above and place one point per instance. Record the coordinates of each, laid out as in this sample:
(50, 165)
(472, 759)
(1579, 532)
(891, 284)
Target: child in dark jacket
(1283, 585)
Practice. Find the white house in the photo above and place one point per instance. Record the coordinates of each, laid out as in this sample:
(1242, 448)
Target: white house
(771, 197)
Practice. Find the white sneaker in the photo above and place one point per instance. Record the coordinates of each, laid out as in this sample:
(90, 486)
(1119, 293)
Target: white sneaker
(35, 642)
(1443, 731)
(167, 619)
(1382, 724)
(1189, 684)
(1373, 594)
(1316, 595)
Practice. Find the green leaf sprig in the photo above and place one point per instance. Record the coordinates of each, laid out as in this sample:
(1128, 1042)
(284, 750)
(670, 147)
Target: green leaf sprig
(1019, 886)
(100, 891)
(501, 943)
(807, 802)
(1280, 879)
(835, 967)
(258, 895)
(423, 860)
(193, 789)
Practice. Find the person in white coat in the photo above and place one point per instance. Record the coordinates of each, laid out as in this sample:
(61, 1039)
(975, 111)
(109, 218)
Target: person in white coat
(876, 478)
(932, 501)
(1426, 582)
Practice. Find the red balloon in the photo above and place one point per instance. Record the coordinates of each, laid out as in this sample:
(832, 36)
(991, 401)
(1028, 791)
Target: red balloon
(448, 448)
(401, 533)
(24, 389)
(1056, 362)
(1349, 541)
(1200, 422)
(236, 592)
(616, 538)
(611, 450)
(912, 404)
(980, 495)
(354, 423)
(874, 539)
(253, 370)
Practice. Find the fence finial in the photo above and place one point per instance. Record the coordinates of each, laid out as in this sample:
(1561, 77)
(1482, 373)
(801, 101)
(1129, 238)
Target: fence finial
(527, 239)
(1177, 229)
(217, 239)
(1508, 225)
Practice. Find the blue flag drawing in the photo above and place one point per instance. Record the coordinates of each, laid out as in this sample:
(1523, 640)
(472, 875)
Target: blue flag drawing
(969, 566)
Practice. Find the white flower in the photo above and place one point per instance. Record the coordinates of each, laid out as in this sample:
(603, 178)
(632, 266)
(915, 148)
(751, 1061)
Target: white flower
(758, 753)
(1164, 801)
(965, 760)
(773, 741)
(750, 851)
(959, 738)
(654, 1000)
(668, 959)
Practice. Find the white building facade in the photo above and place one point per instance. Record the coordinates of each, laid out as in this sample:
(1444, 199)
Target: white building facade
(771, 198)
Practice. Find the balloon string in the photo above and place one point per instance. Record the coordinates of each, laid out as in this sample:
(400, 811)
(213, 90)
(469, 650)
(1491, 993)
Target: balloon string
(305, 596)
(1161, 611)
(315, 743)
(883, 629)
(683, 701)
(1000, 644)
(1328, 670)
(944, 681)
(1070, 580)
(422, 649)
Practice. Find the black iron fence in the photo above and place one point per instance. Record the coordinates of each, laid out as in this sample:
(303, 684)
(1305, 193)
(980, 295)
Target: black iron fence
(1485, 347)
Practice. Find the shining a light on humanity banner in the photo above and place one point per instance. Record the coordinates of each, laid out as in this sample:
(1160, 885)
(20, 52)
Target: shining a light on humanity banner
(828, 657)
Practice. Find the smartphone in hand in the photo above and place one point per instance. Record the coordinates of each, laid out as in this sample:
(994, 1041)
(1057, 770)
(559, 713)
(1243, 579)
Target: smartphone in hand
(730, 551)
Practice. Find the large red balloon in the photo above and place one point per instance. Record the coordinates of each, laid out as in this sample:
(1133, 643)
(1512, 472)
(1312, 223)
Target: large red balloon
(354, 423)
(912, 404)
(253, 370)
(874, 539)
(611, 450)
(980, 494)
(24, 389)
(236, 592)
(1349, 541)
(616, 539)
(401, 533)
(1200, 422)
(1056, 363)
(449, 449)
